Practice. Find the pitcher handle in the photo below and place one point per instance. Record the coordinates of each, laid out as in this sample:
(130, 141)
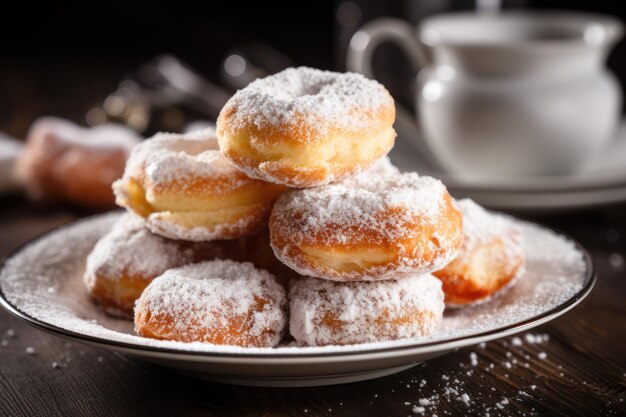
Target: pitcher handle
(365, 41)
(359, 59)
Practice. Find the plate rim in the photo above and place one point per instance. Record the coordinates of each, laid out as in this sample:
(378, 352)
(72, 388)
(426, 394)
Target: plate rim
(590, 280)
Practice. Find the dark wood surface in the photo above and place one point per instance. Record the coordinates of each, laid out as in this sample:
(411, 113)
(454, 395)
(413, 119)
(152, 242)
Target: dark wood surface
(579, 370)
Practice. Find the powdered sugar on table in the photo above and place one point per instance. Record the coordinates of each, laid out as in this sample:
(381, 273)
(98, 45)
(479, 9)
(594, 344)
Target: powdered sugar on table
(44, 281)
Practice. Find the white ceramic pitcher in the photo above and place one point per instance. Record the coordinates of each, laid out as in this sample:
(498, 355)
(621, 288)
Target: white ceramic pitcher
(516, 93)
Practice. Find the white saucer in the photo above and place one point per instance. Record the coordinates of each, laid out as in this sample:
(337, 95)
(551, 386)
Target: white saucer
(41, 284)
(601, 181)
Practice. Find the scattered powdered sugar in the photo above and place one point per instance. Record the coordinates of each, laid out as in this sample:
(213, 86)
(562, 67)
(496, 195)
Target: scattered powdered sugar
(170, 157)
(556, 272)
(535, 338)
(307, 96)
(473, 359)
(464, 398)
(208, 294)
(366, 311)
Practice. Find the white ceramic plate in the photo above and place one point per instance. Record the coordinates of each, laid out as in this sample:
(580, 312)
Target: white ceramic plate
(601, 181)
(41, 284)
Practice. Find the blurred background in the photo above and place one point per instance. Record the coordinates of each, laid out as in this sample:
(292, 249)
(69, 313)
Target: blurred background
(61, 59)
(158, 67)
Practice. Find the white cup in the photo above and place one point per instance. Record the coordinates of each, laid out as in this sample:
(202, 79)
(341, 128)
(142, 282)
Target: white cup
(517, 93)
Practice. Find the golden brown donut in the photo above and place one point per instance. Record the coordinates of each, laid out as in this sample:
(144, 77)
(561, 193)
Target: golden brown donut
(65, 162)
(127, 259)
(219, 302)
(372, 227)
(305, 127)
(491, 258)
(338, 313)
(187, 190)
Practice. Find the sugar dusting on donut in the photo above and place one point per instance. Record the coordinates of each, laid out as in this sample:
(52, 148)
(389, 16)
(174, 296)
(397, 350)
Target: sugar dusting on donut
(171, 157)
(507, 264)
(186, 189)
(207, 294)
(43, 281)
(131, 249)
(382, 167)
(480, 226)
(311, 93)
(393, 211)
(346, 206)
(359, 306)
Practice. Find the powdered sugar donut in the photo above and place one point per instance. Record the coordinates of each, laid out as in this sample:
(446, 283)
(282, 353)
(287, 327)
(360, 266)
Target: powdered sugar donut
(187, 190)
(491, 258)
(127, 259)
(66, 162)
(338, 313)
(219, 302)
(380, 168)
(305, 127)
(380, 227)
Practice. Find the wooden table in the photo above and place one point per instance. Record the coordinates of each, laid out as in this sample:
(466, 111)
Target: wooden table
(575, 365)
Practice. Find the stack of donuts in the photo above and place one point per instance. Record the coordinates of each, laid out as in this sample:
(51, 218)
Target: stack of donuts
(359, 251)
